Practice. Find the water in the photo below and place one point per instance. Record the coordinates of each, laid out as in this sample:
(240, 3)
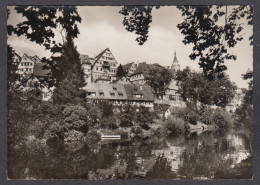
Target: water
(208, 155)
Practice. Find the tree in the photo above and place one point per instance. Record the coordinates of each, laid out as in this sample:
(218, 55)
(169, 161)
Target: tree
(69, 76)
(43, 21)
(194, 87)
(11, 68)
(159, 80)
(212, 30)
(41, 25)
(120, 72)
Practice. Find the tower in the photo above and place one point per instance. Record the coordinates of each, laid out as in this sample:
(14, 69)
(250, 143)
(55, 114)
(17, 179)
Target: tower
(175, 65)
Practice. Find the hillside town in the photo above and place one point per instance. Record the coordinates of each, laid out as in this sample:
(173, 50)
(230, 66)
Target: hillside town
(129, 92)
(103, 84)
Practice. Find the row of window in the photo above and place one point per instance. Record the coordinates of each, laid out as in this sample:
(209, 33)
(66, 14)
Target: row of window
(101, 69)
(26, 64)
(26, 70)
(112, 94)
(107, 58)
(137, 76)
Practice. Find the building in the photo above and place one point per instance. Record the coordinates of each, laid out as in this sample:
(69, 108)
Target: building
(120, 94)
(86, 63)
(141, 73)
(26, 64)
(175, 64)
(102, 68)
(130, 68)
(37, 80)
(16, 58)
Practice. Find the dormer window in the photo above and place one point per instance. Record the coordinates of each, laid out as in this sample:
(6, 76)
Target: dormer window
(112, 94)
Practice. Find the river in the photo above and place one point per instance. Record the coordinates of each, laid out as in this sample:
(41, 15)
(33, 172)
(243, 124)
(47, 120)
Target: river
(207, 155)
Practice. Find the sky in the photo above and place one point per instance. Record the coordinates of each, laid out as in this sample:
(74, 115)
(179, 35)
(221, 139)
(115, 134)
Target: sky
(101, 27)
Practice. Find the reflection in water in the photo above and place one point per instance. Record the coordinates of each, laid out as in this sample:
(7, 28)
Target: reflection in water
(204, 156)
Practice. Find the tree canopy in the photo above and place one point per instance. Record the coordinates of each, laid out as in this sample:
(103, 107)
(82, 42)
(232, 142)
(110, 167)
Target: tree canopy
(159, 80)
(195, 87)
(212, 30)
(42, 23)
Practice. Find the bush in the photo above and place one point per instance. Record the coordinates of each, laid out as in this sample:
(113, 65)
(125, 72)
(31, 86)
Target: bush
(175, 125)
(222, 118)
(136, 130)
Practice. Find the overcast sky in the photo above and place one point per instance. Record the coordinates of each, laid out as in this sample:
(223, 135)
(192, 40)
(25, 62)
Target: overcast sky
(101, 27)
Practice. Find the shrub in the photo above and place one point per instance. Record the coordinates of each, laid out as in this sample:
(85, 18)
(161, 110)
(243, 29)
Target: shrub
(136, 130)
(175, 125)
(222, 118)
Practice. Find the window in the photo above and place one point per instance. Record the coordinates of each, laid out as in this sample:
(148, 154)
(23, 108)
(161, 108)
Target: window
(112, 94)
(138, 96)
(91, 94)
(45, 95)
(114, 88)
(101, 69)
(97, 68)
(101, 94)
(120, 94)
(21, 64)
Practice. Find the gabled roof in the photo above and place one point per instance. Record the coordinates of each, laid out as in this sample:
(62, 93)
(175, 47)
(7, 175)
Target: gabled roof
(106, 89)
(34, 59)
(85, 59)
(99, 56)
(144, 68)
(117, 81)
(18, 56)
(127, 66)
(145, 90)
(40, 70)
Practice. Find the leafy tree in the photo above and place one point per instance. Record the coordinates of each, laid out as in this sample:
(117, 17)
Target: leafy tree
(42, 22)
(194, 87)
(42, 25)
(212, 30)
(159, 80)
(137, 19)
(120, 71)
(69, 76)
(11, 68)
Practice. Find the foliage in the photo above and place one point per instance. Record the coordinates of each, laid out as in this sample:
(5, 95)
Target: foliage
(212, 30)
(106, 108)
(126, 116)
(11, 68)
(159, 80)
(222, 118)
(144, 116)
(43, 21)
(69, 80)
(137, 19)
(175, 125)
(194, 87)
(120, 71)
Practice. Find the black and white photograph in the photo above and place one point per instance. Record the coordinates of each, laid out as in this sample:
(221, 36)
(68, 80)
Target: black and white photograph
(130, 92)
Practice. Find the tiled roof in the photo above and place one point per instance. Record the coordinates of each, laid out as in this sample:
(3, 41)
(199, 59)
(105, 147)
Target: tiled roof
(144, 68)
(144, 90)
(107, 89)
(40, 70)
(127, 66)
(84, 59)
(128, 92)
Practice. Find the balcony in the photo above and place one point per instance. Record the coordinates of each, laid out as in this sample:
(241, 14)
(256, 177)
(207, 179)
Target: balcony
(106, 65)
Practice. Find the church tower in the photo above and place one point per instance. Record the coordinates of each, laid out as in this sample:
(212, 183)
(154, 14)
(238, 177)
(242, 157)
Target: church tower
(175, 65)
